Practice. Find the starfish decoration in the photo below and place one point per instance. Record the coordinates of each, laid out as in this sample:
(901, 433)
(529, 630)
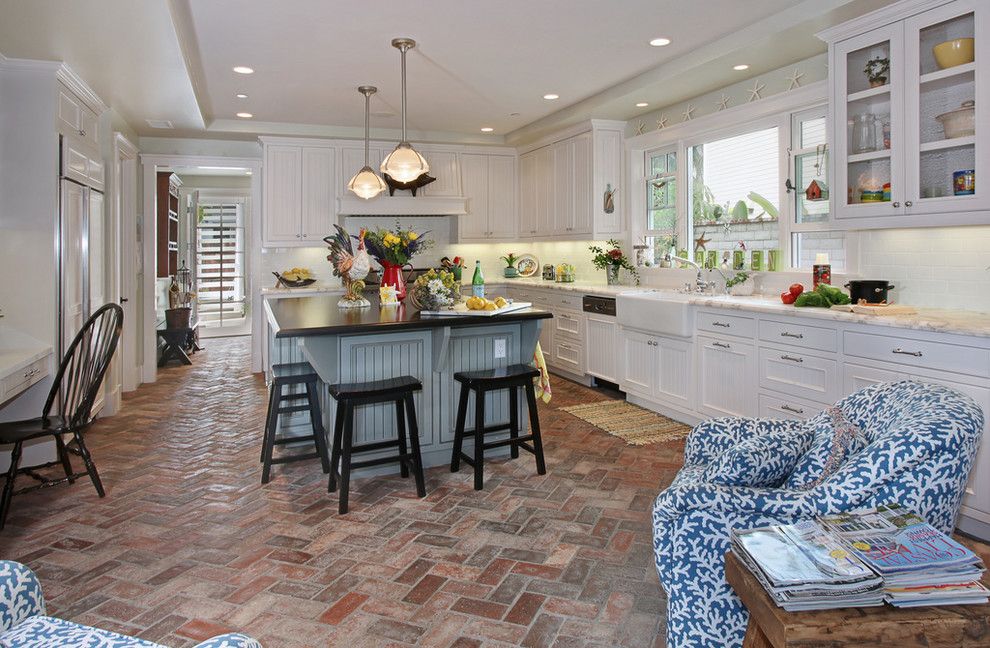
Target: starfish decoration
(701, 242)
(662, 122)
(687, 113)
(640, 128)
(723, 103)
(795, 79)
(754, 92)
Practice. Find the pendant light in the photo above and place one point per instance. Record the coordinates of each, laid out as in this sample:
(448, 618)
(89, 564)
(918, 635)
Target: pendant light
(366, 183)
(404, 164)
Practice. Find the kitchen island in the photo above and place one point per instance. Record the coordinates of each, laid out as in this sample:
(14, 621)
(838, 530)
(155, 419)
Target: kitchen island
(363, 344)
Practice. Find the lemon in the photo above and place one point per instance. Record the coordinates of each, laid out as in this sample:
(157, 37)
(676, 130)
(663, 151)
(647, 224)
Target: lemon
(500, 302)
(490, 306)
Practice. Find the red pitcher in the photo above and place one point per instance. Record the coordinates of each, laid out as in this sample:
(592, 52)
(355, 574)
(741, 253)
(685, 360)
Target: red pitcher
(392, 276)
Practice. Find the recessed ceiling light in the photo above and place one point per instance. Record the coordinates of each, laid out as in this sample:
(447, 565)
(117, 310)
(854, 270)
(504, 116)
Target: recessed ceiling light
(245, 115)
(740, 67)
(513, 114)
(660, 42)
(241, 95)
(243, 69)
(642, 104)
(487, 129)
(551, 97)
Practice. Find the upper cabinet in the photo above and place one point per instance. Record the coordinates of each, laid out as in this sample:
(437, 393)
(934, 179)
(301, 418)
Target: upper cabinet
(568, 187)
(299, 193)
(76, 119)
(489, 183)
(909, 99)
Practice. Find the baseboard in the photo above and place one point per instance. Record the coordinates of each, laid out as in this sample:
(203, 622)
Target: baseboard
(973, 528)
(660, 408)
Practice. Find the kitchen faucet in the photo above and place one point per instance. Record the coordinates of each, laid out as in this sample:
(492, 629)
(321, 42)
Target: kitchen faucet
(700, 284)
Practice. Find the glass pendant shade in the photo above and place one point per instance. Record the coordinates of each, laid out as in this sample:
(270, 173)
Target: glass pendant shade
(366, 183)
(404, 164)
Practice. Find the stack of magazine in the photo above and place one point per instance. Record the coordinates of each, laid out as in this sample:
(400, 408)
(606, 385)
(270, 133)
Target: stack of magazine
(861, 559)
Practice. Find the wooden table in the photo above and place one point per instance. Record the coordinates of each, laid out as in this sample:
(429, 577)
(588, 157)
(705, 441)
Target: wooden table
(957, 626)
(176, 341)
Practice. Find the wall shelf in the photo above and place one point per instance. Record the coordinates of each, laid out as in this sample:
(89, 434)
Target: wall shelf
(955, 142)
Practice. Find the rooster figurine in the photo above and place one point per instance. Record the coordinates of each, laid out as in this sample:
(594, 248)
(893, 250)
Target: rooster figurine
(350, 265)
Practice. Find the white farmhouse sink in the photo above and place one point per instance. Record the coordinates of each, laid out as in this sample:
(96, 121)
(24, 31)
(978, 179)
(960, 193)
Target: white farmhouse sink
(665, 312)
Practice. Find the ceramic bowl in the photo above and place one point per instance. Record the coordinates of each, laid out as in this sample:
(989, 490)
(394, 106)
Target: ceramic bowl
(960, 122)
(954, 52)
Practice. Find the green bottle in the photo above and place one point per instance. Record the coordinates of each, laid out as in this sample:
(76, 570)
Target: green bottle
(478, 282)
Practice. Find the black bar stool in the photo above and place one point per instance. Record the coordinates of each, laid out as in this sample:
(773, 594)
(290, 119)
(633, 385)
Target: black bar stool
(287, 375)
(349, 395)
(512, 378)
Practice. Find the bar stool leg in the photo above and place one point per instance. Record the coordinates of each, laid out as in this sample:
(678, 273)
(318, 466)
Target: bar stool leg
(345, 457)
(414, 442)
(315, 419)
(338, 433)
(268, 415)
(534, 424)
(514, 420)
(479, 439)
(8, 486)
(455, 459)
(400, 425)
(271, 425)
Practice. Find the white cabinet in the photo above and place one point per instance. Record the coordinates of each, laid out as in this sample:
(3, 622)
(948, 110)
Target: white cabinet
(657, 367)
(797, 373)
(563, 184)
(76, 119)
(886, 135)
(299, 194)
(726, 377)
(82, 163)
(601, 345)
(443, 167)
(489, 184)
(639, 363)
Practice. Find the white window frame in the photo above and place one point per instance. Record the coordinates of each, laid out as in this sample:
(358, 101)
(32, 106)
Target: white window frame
(645, 187)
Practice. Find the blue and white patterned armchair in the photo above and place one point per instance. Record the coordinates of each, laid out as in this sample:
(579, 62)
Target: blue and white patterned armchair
(23, 623)
(918, 445)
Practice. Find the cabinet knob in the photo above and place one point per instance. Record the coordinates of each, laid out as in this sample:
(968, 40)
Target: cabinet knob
(82, 133)
(895, 204)
(908, 203)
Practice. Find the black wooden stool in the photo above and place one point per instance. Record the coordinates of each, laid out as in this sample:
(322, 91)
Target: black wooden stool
(287, 375)
(512, 378)
(349, 395)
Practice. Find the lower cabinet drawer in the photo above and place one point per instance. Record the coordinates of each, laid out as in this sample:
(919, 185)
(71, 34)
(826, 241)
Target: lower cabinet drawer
(923, 354)
(799, 335)
(798, 374)
(23, 378)
(568, 356)
(782, 406)
(573, 301)
(718, 322)
(569, 324)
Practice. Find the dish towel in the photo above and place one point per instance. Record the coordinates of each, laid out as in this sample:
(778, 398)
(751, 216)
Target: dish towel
(543, 390)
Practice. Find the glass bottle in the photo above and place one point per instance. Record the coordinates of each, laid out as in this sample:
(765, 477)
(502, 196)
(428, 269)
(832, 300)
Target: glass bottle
(478, 281)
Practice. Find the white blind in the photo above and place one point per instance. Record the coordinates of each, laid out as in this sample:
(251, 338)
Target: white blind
(735, 166)
(220, 276)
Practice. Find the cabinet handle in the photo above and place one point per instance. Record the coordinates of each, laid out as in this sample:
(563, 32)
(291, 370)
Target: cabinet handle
(722, 324)
(791, 358)
(788, 408)
(721, 345)
(895, 204)
(900, 351)
(82, 133)
(908, 203)
(797, 336)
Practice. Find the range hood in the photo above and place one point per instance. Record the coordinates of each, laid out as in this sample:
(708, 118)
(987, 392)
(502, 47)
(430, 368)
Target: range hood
(406, 205)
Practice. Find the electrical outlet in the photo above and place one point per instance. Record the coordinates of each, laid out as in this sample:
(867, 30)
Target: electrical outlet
(499, 349)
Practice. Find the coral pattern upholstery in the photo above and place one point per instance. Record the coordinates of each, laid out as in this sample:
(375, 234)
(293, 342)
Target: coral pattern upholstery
(921, 441)
(23, 623)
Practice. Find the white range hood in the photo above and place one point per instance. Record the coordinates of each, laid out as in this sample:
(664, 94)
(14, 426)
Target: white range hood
(405, 205)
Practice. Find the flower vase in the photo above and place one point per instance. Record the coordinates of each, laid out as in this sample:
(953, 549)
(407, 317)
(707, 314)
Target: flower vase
(612, 275)
(392, 276)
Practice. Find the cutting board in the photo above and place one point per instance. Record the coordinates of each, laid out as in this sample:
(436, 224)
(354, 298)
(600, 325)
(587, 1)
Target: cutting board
(889, 309)
(462, 311)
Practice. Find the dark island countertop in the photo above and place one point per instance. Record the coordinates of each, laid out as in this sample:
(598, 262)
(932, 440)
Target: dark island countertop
(319, 315)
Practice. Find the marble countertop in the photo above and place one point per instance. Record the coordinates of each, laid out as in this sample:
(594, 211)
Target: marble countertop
(317, 288)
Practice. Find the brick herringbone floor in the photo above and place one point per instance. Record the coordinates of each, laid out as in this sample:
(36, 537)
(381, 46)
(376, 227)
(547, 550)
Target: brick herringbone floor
(188, 542)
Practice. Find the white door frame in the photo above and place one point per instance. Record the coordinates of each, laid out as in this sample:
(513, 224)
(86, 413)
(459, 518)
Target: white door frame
(124, 371)
(151, 163)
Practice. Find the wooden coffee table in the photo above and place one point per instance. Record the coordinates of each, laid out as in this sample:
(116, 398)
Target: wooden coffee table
(955, 626)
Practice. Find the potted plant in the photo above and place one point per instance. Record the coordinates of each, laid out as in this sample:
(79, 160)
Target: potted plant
(876, 71)
(741, 285)
(611, 261)
(393, 249)
(510, 271)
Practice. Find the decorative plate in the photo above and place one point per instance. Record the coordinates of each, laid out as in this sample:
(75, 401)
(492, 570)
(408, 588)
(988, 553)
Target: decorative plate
(528, 265)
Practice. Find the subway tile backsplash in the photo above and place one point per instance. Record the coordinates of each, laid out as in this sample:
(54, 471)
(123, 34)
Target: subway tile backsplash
(932, 267)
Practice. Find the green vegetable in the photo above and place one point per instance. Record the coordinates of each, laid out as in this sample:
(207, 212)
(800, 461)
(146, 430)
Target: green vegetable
(823, 296)
(812, 300)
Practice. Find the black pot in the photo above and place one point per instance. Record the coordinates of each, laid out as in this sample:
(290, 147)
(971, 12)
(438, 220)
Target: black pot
(872, 291)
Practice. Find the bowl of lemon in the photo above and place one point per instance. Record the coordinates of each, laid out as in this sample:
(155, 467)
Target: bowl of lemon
(482, 304)
(295, 278)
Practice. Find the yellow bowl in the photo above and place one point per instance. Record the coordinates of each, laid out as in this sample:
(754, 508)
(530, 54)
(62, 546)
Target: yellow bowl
(954, 52)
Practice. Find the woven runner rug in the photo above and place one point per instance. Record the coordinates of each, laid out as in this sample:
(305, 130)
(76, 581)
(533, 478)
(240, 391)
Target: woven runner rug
(631, 423)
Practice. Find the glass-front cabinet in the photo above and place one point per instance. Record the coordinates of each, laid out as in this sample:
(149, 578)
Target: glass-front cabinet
(910, 110)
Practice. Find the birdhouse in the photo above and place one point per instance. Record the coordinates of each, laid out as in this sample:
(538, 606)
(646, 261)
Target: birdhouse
(816, 191)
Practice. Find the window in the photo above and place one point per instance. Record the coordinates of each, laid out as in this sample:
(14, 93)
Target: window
(661, 199)
(220, 276)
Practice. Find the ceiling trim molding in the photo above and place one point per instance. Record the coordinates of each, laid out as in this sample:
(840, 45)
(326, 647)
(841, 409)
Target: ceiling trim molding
(877, 18)
(586, 126)
(804, 97)
(157, 159)
(66, 75)
(387, 144)
(185, 34)
(286, 129)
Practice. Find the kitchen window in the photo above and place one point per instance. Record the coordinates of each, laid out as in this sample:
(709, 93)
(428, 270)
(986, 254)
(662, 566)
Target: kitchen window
(220, 270)
(661, 200)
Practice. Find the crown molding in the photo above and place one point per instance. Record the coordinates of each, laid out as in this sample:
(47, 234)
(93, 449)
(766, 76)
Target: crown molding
(586, 126)
(877, 18)
(66, 75)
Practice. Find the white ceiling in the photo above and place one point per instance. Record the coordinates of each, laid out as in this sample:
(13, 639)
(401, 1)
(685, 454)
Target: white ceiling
(474, 66)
